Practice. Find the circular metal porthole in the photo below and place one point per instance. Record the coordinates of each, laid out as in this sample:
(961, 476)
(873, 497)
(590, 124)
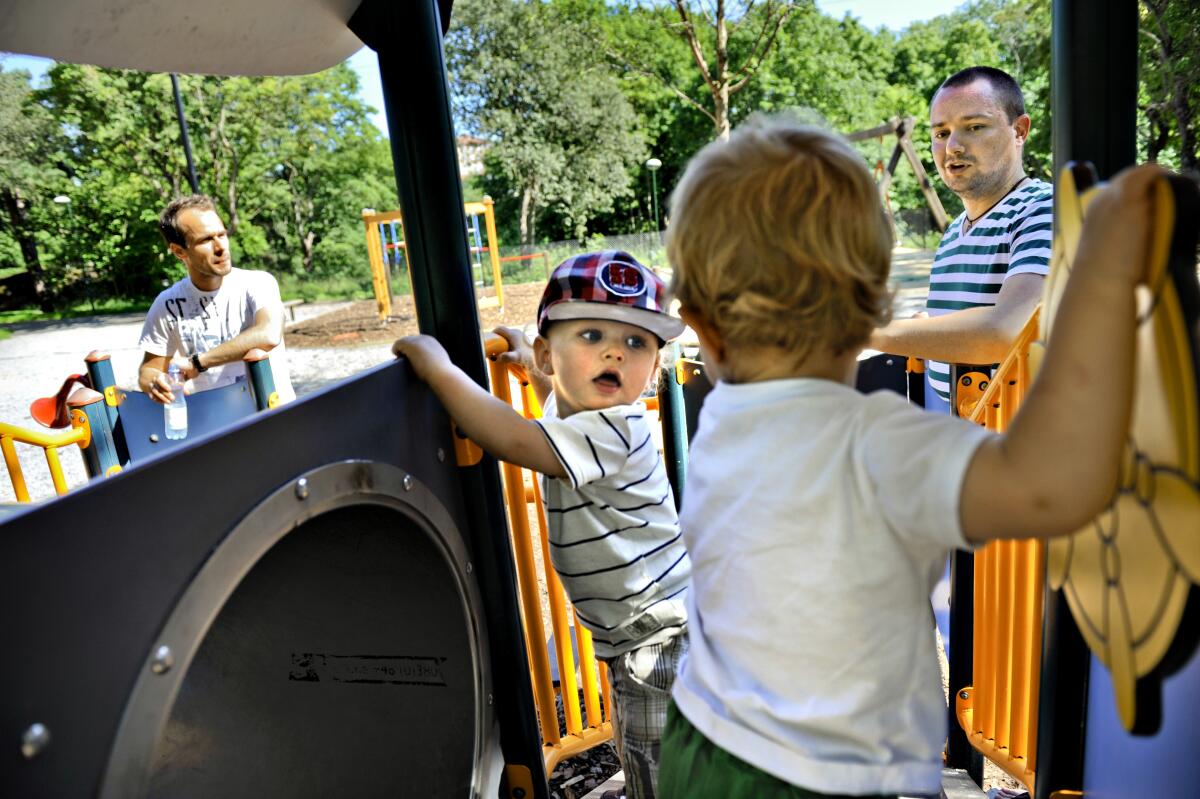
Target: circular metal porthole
(332, 644)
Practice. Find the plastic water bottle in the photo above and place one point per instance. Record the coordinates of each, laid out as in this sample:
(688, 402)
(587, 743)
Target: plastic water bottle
(175, 412)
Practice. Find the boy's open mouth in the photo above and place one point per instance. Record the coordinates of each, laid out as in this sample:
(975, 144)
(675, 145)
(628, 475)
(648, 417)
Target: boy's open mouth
(607, 380)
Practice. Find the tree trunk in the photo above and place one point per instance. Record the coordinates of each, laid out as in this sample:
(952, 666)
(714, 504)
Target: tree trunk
(721, 106)
(721, 85)
(306, 244)
(14, 207)
(526, 222)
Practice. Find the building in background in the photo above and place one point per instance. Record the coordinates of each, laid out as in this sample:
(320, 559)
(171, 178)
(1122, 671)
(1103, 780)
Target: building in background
(470, 154)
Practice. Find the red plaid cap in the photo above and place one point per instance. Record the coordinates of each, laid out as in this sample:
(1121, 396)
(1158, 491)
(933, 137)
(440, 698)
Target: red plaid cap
(608, 285)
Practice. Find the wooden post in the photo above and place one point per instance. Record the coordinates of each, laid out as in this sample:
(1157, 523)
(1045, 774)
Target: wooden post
(935, 204)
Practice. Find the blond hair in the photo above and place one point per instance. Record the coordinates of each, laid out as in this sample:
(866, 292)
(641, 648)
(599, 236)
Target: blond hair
(778, 238)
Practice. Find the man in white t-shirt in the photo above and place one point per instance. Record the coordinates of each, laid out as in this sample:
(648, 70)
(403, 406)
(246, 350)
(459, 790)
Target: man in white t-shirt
(208, 321)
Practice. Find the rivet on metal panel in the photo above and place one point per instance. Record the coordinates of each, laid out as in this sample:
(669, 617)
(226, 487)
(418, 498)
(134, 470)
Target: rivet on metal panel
(302, 488)
(154, 438)
(164, 659)
(408, 482)
(34, 740)
(490, 699)
(441, 455)
(470, 568)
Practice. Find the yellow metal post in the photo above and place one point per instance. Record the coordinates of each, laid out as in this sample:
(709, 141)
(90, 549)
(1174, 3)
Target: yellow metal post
(14, 468)
(493, 246)
(379, 273)
(49, 442)
(577, 736)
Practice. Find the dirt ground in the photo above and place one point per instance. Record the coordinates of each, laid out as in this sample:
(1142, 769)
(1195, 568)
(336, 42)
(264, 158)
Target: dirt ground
(359, 323)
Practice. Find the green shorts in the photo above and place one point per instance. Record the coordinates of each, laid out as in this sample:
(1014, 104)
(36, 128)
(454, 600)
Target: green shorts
(694, 767)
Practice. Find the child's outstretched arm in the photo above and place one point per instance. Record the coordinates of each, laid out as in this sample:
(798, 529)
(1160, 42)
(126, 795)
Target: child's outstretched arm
(489, 422)
(1057, 465)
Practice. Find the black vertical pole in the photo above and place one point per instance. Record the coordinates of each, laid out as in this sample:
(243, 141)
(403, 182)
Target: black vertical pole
(959, 752)
(1094, 83)
(408, 38)
(1094, 94)
(183, 130)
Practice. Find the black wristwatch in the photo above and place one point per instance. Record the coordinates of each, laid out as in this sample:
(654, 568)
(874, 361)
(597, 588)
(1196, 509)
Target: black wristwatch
(196, 363)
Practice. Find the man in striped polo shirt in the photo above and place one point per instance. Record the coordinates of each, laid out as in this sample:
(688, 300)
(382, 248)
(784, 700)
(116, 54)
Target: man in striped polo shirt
(990, 264)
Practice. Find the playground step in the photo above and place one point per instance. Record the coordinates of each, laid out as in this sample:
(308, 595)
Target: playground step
(615, 782)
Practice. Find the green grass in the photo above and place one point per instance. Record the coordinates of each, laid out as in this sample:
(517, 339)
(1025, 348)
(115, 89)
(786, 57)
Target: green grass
(336, 287)
(101, 308)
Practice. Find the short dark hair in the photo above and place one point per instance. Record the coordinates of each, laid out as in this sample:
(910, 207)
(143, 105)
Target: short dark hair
(1004, 85)
(167, 221)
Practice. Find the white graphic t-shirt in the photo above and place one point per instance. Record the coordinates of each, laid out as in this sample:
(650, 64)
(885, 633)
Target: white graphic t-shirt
(184, 320)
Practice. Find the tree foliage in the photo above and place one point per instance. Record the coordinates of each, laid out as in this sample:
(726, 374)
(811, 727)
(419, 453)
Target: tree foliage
(572, 97)
(290, 162)
(1170, 91)
(564, 136)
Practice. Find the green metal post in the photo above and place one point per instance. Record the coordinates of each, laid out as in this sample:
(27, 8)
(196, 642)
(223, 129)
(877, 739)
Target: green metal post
(100, 455)
(674, 424)
(100, 370)
(262, 379)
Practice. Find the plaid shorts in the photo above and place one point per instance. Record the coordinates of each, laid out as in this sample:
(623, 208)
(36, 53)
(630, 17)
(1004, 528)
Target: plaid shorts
(641, 681)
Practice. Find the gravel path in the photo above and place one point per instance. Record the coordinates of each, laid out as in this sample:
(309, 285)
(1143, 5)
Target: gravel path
(40, 355)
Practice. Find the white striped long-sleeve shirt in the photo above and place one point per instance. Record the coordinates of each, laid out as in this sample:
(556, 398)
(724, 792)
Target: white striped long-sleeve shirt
(613, 529)
(1013, 238)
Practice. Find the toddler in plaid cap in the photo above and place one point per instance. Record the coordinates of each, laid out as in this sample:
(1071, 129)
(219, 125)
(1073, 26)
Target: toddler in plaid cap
(613, 528)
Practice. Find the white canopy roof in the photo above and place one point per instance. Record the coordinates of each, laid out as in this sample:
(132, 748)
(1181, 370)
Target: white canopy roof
(217, 37)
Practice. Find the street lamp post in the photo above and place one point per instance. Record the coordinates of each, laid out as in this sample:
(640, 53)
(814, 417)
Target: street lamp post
(653, 165)
(62, 199)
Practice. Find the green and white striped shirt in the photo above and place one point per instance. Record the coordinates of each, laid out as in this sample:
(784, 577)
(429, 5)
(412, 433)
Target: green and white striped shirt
(1013, 238)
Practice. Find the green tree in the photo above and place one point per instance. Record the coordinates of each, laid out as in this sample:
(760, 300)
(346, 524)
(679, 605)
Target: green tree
(564, 137)
(27, 148)
(290, 161)
(728, 44)
(1170, 91)
(653, 64)
(833, 70)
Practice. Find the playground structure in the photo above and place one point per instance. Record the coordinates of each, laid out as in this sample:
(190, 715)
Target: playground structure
(902, 129)
(114, 427)
(386, 249)
(332, 607)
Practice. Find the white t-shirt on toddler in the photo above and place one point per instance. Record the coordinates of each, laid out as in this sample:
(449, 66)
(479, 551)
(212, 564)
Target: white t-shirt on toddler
(818, 520)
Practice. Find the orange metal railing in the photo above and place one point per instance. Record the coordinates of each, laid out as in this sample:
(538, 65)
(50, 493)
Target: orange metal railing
(50, 444)
(587, 725)
(999, 712)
